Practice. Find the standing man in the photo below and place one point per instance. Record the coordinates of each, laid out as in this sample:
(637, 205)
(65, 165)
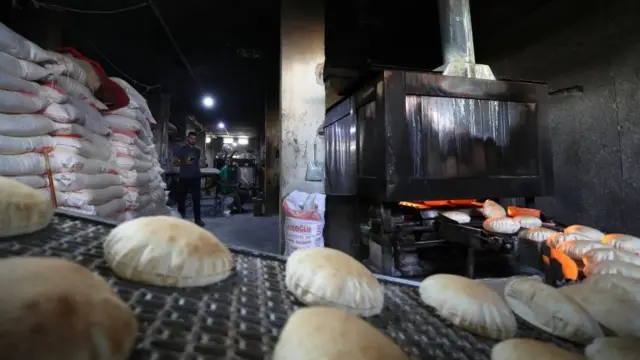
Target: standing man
(189, 181)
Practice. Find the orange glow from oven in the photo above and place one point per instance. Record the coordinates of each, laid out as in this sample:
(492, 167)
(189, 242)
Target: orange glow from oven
(569, 267)
(439, 203)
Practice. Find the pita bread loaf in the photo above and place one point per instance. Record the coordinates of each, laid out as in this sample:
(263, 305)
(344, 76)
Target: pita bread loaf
(547, 309)
(529, 349)
(537, 234)
(556, 239)
(613, 348)
(492, 209)
(58, 310)
(623, 242)
(321, 333)
(167, 251)
(470, 305)
(620, 286)
(501, 225)
(613, 267)
(24, 210)
(589, 232)
(328, 277)
(594, 256)
(528, 222)
(458, 216)
(617, 316)
(576, 249)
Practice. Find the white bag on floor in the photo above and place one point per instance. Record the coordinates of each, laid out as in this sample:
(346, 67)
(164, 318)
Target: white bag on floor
(16, 45)
(304, 220)
(12, 102)
(22, 68)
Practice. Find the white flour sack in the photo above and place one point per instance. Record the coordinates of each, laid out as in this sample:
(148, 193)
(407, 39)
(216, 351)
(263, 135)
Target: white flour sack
(78, 90)
(16, 45)
(64, 113)
(81, 147)
(87, 197)
(136, 101)
(10, 145)
(13, 83)
(109, 209)
(78, 181)
(25, 125)
(12, 102)
(34, 164)
(22, 68)
(34, 181)
(90, 117)
(69, 65)
(118, 123)
(304, 220)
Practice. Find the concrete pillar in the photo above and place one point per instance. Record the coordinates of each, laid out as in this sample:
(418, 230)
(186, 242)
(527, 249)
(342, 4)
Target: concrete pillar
(302, 93)
(161, 130)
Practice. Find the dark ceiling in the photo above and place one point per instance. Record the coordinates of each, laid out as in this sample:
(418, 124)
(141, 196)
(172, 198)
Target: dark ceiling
(231, 45)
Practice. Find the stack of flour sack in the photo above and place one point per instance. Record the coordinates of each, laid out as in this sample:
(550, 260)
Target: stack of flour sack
(56, 136)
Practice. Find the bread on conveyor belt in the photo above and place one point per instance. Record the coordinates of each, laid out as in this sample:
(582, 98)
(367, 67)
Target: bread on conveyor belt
(23, 210)
(613, 267)
(501, 225)
(623, 242)
(589, 232)
(594, 256)
(617, 316)
(618, 285)
(167, 251)
(547, 309)
(322, 333)
(53, 309)
(529, 349)
(491, 209)
(328, 277)
(576, 249)
(537, 234)
(458, 216)
(556, 239)
(528, 222)
(470, 305)
(613, 348)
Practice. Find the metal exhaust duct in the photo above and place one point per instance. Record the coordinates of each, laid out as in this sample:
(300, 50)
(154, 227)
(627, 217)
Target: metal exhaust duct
(457, 41)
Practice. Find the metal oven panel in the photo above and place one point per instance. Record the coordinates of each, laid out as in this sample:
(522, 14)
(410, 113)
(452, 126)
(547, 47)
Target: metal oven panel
(423, 136)
(340, 145)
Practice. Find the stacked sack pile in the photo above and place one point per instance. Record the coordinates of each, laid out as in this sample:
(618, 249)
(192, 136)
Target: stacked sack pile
(53, 135)
(135, 154)
(50, 138)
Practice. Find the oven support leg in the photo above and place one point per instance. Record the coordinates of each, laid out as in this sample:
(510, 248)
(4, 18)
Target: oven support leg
(302, 95)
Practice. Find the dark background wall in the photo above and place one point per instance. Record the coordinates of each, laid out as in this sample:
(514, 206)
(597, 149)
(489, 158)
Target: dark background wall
(596, 135)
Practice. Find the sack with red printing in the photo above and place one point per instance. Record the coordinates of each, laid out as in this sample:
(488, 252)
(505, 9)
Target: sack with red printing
(304, 220)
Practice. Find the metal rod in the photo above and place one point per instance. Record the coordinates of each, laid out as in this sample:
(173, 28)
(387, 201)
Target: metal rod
(173, 41)
(456, 31)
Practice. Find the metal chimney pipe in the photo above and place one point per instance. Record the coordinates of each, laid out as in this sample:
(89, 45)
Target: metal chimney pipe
(456, 31)
(457, 41)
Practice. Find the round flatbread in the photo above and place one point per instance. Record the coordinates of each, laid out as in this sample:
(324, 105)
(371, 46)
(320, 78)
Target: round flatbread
(623, 242)
(547, 309)
(58, 310)
(469, 305)
(558, 238)
(537, 234)
(24, 210)
(167, 251)
(595, 256)
(529, 349)
(613, 348)
(528, 222)
(501, 225)
(617, 285)
(491, 209)
(458, 216)
(328, 277)
(322, 333)
(589, 232)
(613, 267)
(613, 313)
(575, 249)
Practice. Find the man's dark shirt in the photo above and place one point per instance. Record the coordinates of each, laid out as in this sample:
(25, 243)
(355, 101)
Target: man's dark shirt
(184, 153)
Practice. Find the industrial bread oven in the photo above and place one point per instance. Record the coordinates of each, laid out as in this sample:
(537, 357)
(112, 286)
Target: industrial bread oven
(405, 144)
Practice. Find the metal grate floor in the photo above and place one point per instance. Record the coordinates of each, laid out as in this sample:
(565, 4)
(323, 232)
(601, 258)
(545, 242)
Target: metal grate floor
(241, 317)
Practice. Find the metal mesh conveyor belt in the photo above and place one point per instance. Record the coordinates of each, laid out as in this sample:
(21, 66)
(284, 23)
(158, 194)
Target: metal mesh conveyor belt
(241, 317)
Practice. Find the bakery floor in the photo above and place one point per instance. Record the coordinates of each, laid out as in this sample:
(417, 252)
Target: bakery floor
(245, 230)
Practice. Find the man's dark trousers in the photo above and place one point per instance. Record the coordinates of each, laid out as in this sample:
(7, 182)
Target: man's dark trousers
(189, 185)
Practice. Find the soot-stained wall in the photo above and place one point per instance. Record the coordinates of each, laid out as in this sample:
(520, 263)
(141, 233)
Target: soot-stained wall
(595, 135)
